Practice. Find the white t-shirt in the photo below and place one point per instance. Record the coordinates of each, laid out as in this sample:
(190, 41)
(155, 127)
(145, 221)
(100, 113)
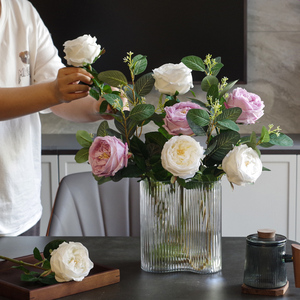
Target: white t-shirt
(27, 56)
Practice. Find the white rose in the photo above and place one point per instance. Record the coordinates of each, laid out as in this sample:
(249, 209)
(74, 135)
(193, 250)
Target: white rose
(81, 51)
(181, 156)
(242, 165)
(170, 78)
(70, 261)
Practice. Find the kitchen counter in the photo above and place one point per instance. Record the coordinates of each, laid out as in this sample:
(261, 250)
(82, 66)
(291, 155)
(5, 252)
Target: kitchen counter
(66, 144)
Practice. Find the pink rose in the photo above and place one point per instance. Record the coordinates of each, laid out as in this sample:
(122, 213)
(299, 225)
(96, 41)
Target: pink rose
(107, 155)
(251, 104)
(175, 120)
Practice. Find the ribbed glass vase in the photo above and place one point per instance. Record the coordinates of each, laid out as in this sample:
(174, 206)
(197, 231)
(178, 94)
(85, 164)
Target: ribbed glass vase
(180, 228)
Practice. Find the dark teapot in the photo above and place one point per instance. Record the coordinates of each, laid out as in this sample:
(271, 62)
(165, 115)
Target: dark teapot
(266, 258)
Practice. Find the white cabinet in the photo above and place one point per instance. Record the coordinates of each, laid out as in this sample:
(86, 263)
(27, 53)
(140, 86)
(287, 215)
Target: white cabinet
(270, 203)
(68, 165)
(54, 168)
(49, 187)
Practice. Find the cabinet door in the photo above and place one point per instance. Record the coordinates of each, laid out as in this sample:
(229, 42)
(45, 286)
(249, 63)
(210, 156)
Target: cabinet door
(49, 188)
(269, 203)
(298, 201)
(68, 165)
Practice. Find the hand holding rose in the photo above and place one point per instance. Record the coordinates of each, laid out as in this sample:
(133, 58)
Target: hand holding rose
(67, 87)
(81, 51)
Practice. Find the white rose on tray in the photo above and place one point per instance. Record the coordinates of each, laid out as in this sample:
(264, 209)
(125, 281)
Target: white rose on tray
(70, 261)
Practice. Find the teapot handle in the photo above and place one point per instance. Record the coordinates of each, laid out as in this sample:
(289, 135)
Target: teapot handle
(296, 259)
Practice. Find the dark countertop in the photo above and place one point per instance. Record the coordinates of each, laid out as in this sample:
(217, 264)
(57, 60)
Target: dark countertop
(64, 144)
(123, 253)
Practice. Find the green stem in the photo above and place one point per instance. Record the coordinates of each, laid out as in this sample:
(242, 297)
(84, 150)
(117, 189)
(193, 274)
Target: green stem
(22, 263)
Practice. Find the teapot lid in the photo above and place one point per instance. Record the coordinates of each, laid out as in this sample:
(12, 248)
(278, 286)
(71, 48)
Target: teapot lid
(266, 237)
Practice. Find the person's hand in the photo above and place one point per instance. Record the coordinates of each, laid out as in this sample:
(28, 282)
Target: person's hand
(67, 85)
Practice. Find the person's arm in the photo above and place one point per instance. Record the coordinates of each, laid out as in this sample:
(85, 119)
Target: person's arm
(20, 101)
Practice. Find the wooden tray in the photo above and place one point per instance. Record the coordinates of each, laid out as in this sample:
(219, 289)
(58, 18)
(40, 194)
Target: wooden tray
(12, 287)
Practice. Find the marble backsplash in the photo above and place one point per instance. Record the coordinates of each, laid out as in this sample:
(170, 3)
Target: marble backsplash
(273, 50)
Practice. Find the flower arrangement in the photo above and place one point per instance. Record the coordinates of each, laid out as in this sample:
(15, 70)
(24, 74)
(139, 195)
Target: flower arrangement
(172, 153)
(61, 262)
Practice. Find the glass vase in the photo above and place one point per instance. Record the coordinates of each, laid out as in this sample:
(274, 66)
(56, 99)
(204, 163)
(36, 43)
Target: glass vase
(180, 227)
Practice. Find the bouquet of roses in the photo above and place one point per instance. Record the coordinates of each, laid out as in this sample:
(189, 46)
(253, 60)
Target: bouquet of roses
(172, 153)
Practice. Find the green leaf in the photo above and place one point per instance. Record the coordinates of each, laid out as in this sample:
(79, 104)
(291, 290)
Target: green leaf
(103, 107)
(157, 119)
(138, 147)
(127, 129)
(52, 246)
(94, 93)
(245, 139)
(208, 81)
(198, 117)
(280, 140)
(142, 112)
(228, 124)
(101, 180)
(48, 280)
(82, 155)
(144, 84)
(224, 143)
(114, 78)
(46, 264)
(84, 138)
(114, 100)
(31, 277)
(265, 137)
(229, 114)
(216, 69)
(155, 138)
(202, 104)
(101, 131)
(253, 138)
(140, 164)
(227, 88)
(37, 254)
(194, 62)
(197, 120)
(112, 132)
(131, 171)
(139, 64)
(265, 169)
(211, 147)
(165, 133)
(107, 89)
(213, 92)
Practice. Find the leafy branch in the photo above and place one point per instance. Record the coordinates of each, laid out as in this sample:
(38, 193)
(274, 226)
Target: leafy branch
(43, 264)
